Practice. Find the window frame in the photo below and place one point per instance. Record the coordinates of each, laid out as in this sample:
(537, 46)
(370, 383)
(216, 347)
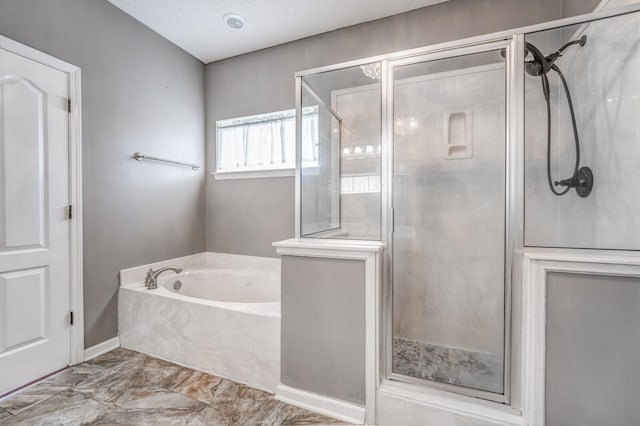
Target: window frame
(287, 169)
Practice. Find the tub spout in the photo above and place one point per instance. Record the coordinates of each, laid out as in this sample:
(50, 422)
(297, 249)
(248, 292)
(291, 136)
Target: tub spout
(151, 280)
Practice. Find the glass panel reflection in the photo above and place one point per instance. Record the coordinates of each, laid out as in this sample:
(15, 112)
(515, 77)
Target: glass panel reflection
(341, 195)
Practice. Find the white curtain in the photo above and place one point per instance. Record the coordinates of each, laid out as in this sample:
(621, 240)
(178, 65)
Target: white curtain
(310, 139)
(266, 141)
(231, 148)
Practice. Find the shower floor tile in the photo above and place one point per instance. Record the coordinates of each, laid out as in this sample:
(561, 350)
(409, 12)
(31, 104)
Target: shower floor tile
(124, 387)
(443, 364)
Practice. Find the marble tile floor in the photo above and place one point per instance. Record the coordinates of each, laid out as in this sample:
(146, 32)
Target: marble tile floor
(123, 387)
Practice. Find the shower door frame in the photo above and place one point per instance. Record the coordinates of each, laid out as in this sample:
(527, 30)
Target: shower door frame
(511, 196)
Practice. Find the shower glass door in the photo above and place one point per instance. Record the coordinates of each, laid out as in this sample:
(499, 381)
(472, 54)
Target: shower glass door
(448, 196)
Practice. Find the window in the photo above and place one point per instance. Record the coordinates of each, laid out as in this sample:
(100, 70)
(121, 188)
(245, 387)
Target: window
(265, 143)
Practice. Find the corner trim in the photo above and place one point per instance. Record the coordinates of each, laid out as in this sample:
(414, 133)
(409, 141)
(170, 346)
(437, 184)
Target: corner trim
(76, 258)
(102, 348)
(336, 408)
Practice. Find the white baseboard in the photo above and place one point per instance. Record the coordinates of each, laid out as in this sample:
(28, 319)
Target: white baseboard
(101, 348)
(327, 406)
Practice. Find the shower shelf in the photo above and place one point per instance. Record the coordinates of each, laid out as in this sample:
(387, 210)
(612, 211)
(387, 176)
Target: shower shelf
(458, 138)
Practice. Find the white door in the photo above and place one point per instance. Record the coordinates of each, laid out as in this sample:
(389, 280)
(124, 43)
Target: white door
(34, 225)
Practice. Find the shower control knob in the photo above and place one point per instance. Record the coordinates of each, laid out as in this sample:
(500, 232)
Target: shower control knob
(582, 182)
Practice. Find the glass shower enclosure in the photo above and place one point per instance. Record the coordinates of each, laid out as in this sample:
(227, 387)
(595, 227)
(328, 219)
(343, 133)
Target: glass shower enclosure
(439, 121)
(340, 193)
(462, 157)
(448, 172)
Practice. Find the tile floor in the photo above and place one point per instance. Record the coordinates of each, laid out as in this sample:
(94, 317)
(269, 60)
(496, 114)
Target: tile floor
(124, 387)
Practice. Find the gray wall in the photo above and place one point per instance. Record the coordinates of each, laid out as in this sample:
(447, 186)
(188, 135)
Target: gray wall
(578, 7)
(592, 347)
(246, 216)
(323, 340)
(139, 93)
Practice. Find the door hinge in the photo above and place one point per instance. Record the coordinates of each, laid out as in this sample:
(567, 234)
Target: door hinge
(70, 212)
(71, 318)
(69, 105)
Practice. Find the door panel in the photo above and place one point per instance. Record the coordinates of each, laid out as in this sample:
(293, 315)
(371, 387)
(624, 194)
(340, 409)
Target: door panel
(449, 223)
(22, 186)
(23, 302)
(34, 229)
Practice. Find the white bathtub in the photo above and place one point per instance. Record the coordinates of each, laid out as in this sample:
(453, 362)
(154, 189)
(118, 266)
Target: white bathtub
(225, 285)
(224, 318)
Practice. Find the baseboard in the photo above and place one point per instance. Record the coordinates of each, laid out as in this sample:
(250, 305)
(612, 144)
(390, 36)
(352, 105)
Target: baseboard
(327, 406)
(101, 348)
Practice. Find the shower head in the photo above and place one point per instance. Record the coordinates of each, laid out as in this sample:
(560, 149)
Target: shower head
(541, 64)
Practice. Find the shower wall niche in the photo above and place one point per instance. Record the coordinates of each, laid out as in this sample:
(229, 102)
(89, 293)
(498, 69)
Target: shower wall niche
(341, 187)
(603, 80)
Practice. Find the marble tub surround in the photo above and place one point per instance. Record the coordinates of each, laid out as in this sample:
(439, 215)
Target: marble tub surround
(130, 388)
(232, 339)
(473, 369)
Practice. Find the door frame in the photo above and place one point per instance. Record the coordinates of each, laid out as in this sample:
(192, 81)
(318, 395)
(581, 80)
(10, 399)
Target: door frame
(76, 350)
(510, 45)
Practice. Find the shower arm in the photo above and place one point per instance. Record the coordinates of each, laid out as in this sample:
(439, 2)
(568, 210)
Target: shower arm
(581, 41)
(542, 64)
(555, 55)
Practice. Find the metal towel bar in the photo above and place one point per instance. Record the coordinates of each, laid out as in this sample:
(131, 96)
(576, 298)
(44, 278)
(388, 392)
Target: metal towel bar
(139, 157)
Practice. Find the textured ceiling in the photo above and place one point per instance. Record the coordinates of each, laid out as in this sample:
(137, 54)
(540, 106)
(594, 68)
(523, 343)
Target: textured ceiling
(197, 25)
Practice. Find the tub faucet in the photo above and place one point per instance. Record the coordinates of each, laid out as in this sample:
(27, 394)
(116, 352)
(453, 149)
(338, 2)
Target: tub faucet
(151, 280)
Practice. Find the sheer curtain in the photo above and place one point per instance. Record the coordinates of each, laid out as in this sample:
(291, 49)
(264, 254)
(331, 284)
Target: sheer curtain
(266, 141)
(310, 137)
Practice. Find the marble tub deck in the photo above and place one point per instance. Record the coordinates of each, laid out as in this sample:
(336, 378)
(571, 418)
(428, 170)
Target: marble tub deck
(123, 387)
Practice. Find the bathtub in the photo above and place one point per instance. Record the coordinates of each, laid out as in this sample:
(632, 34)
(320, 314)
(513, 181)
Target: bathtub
(221, 315)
